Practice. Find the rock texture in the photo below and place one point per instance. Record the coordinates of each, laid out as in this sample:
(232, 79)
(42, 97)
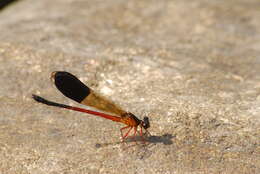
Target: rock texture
(192, 67)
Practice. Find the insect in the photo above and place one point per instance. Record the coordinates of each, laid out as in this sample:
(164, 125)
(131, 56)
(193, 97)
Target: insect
(70, 86)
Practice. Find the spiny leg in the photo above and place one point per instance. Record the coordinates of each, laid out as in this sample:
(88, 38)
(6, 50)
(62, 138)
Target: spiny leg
(141, 134)
(135, 130)
(121, 130)
(127, 133)
(134, 135)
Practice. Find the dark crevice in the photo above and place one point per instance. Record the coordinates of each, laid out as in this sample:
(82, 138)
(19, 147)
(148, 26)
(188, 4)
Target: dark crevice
(5, 3)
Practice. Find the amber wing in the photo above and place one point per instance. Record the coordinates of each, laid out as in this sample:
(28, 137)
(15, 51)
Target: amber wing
(70, 86)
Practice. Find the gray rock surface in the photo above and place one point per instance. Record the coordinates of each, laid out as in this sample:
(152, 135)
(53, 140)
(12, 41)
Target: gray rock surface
(193, 67)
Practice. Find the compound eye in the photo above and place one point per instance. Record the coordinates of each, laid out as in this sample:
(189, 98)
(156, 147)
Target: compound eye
(146, 123)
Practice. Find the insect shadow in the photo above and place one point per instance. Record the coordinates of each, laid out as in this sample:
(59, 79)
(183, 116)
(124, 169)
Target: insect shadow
(166, 139)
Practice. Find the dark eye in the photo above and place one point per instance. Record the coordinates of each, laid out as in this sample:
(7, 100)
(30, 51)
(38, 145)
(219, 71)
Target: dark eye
(146, 123)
